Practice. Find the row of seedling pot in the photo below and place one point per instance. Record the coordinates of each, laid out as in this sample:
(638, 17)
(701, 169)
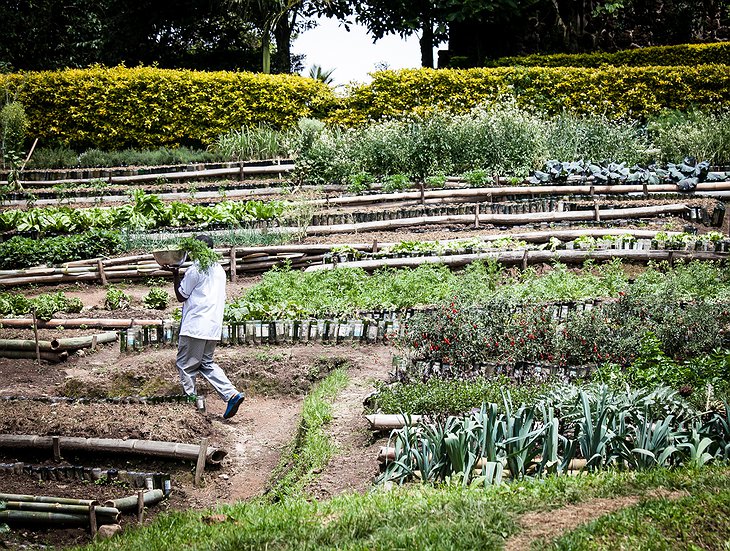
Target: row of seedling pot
(709, 242)
(134, 479)
(370, 328)
(520, 372)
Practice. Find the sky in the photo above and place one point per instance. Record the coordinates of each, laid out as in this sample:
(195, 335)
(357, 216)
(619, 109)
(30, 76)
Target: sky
(353, 54)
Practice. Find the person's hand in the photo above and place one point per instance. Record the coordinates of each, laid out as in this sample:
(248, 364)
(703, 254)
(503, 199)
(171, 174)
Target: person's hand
(169, 268)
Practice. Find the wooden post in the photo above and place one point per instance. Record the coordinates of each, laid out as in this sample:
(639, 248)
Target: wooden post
(35, 331)
(525, 259)
(476, 216)
(423, 194)
(646, 190)
(240, 171)
(94, 339)
(597, 213)
(200, 466)
(232, 266)
(102, 275)
(56, 448)
(593, 190)
(140, 506)
(92, 518)
(671, 258)
(375, 245)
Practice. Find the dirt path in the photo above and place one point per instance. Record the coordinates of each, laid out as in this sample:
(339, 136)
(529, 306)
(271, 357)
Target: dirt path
(548, 525)
(355, 466)
(258, 434)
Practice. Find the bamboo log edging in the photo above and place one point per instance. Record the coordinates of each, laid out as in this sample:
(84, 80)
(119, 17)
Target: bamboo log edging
(531, 256)
(57, 345)
(487, 193)
(172, 450)
(178, 175)
(105, 514)
(46, 499)
(78, 323)
(151, 497)
(32, 518)
(503, 219)
(382, 421)
(250, 260)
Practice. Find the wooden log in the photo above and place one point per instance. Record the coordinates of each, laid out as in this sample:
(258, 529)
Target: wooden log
(485, 192)
(200, 466)
(175, 450)
(535, 257)
(381, 421)
(104, 323)
(179, 175)
(150, 497)
(504, 219)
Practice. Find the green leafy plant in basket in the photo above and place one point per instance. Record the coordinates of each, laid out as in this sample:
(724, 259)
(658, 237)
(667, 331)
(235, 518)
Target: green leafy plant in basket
(199, 253)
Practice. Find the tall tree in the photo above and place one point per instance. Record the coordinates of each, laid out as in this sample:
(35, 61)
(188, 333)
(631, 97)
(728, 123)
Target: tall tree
(50, 34)
(428, 19)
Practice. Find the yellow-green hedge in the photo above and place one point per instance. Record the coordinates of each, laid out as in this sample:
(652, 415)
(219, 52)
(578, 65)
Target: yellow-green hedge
(681, 54)
(114, 108)
(615, 91)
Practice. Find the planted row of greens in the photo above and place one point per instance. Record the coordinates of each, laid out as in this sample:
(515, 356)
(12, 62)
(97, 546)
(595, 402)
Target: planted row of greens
(681, 240)
(45, 305)
(650, 368)
(625, 429)
(287, 294)
(23, 252)
(144, 212)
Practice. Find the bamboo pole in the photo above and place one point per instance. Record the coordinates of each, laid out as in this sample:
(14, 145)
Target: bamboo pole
(516, 257)
(45, 499)
(33, 518)
(151, 497)
(484, 192)
(57, 345)
(102, 323)
(157, 448)
(380, 421)
(179, 175)
(505, 219)
(107, 513)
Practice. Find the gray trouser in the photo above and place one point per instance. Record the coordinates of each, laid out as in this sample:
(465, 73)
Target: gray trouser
(196, 356)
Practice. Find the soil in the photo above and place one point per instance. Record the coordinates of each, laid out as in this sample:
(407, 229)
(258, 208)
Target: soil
(544, 526)
(275, 380)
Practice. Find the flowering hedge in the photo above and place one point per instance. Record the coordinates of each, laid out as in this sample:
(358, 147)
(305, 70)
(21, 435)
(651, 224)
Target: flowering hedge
(680, 54)
(114, 108)
(633, 92)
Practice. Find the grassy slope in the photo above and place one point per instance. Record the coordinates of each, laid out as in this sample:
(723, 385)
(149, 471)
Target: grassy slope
(416, 517)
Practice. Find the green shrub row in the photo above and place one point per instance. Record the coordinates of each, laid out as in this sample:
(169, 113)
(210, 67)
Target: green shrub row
(23, 252)
(115, 108)
(633, 92)
(680, 54)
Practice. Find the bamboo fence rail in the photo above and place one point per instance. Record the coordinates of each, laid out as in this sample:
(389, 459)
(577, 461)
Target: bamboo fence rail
(171, 450)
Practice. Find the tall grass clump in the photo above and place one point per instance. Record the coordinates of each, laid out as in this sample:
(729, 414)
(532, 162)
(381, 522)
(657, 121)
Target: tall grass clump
(700, 134)
(251, 143)
(595, 138)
